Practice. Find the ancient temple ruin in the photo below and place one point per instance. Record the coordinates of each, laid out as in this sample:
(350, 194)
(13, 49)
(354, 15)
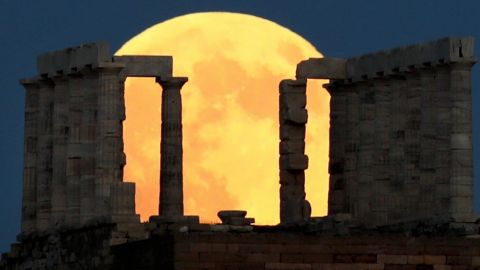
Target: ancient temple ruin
(74, 159)
(400, 134)
(400, 168)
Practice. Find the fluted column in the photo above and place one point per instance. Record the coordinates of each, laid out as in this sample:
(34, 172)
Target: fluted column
(171, 151)
(75, 150)
(60, 139)
(29, 211)
(44, 166)
(109, 140)
(88, 142)
(461, 166)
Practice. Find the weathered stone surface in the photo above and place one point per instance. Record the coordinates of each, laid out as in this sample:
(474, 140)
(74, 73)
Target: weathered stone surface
(224, 214)
(400, 158)
(293, 86)
(292, 147)
(235, 217)
(293, 101)
(294, 162)
(171, 149)
(59, 151)
(292, 132)
(69, 60)
(295, 116)
(446, 50)
(29, 199)
(322, 68)
(403, 141)
(292, 117)
(74, 150)
(146, 66)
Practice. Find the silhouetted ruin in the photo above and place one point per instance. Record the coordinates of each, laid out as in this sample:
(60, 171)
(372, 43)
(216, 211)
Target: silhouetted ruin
(400, 165)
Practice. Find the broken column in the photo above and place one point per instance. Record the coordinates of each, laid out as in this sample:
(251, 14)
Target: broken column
(338, 202)
(293, 161)
(171, 151)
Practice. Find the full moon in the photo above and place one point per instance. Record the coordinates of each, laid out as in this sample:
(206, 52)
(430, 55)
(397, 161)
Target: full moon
(234, 63)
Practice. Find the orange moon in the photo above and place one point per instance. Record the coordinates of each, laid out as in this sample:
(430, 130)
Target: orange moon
(230, 115)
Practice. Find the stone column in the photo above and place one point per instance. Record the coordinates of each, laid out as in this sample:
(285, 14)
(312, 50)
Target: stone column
(337, 197)
(396, 165)
(88, 142)
(428, 149)
(442, 97)
(366, 149)
(110, 158)
(352, 138)
(171, 151)
(60, 139)
(75, 149)
(44, 166)
(461, 174)
(381, 177)
(293, 161)
(29, 211)
(405, 192)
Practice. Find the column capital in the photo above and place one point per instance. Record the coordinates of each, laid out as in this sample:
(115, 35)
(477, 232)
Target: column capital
(171, 82)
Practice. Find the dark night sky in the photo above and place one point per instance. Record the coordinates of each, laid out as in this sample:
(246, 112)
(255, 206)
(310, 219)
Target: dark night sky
(336, 27)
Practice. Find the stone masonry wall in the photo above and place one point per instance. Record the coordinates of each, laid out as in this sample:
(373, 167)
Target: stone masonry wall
(297, 251)
(90, 249)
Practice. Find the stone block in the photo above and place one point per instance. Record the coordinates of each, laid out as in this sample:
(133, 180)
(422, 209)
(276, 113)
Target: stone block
(146, 66)
(293, 86)
(462, 190)
(292, 147)
(292, 132)
(293, 162)
(322, 68)
(294, 116)
(292, 192)
(461, 180)
(292, 210)
(292, 178)
(293, 100)
(461, 205)
(461, 141)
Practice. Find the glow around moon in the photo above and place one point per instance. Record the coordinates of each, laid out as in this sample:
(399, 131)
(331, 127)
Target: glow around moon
(230, 115)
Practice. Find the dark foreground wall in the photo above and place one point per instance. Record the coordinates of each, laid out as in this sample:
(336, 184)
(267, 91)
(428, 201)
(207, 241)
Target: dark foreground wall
(91, 249)
(88, 248)
(293, 251)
